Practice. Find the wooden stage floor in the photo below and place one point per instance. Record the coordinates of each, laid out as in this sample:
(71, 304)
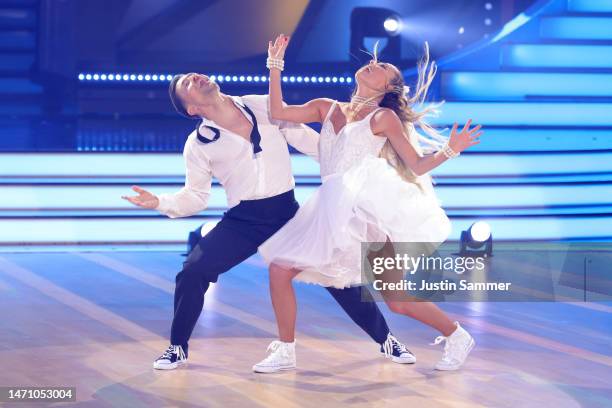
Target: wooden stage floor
(96, 321)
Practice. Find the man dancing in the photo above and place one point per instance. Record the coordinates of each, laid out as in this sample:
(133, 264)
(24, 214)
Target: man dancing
(237, 142)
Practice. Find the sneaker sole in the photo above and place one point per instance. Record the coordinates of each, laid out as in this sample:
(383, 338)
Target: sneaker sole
(455, 368)
(272, 369)
(171, 366)
(399, 360)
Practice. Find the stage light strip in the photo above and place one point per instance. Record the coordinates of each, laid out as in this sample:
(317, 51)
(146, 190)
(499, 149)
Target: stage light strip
(99, 198)
(220, 78)
(576, 28)
(165, 230)
(527, 113)
(133, 166)
(476, 86)
(557, 56)
(590, 6)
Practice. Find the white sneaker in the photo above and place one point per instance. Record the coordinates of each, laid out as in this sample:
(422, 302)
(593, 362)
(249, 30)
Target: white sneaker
(458, 346)
(395, 350)
(282, 357)
(173, 357)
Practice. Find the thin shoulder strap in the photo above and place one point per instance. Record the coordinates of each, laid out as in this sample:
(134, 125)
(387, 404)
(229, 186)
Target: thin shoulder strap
(369, 115)
(329, 112)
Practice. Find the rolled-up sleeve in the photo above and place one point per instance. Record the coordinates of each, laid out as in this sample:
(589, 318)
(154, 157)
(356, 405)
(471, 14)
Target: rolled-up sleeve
(302, 137)
(193, 197)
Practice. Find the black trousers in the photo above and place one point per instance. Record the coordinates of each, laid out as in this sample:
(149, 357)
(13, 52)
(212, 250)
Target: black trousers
(235, 238)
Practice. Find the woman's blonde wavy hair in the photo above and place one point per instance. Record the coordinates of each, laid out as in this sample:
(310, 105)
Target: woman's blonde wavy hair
(396, 97)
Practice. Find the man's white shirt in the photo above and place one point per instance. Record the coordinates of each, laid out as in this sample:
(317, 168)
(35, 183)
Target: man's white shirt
(230, 159)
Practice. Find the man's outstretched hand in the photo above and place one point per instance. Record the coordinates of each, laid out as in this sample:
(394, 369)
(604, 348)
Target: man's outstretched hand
(144, 199)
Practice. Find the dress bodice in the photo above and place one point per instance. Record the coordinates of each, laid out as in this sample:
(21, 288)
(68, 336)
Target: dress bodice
(355, 141)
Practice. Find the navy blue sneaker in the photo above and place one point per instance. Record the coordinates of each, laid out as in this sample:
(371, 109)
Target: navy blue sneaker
(395, 350)
(171, 359)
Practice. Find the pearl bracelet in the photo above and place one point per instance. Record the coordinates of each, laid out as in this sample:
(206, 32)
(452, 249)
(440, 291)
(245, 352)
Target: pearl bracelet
(449, 152)
(275, 63)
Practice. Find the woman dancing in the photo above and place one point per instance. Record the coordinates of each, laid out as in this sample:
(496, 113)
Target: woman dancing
(375, 187)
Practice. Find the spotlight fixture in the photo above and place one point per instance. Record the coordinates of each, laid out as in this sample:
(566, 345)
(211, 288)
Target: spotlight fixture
(477, 240)
(371, 24)
(393, 25)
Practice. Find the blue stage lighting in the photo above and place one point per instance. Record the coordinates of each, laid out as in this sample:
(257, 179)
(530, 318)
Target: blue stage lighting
(349, 80)
(477, 240)
(393, 25)
(218, 78)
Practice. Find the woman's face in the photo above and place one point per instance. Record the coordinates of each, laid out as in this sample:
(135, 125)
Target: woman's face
(376, 75)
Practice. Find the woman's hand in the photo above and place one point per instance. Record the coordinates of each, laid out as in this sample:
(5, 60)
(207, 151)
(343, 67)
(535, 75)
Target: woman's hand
(464, 139)
(277, 50)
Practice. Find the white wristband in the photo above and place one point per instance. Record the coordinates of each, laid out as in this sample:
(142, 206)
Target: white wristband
(449, 152)
(275, 63)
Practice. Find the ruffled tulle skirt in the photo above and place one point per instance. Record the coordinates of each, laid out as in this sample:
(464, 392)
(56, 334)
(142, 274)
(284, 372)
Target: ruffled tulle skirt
(368, 203)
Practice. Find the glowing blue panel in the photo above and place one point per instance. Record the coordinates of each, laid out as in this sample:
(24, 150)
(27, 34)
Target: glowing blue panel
(527, 114)
(521, 140)
(557, 56)
(520, 85)
(96, 165)
(541, 227)
(164, 230)
(141, 167)
(590, 6)
(576, 28)
(100, 198)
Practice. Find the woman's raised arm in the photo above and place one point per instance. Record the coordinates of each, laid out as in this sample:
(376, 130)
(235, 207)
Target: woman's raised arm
(309, 112)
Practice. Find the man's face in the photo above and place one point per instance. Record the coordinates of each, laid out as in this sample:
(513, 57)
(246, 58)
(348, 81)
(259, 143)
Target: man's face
(195, 89)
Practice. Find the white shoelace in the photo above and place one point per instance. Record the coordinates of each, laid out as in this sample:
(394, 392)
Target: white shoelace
(173, 350)
(450, 347)
(389, 344)
(277, 351)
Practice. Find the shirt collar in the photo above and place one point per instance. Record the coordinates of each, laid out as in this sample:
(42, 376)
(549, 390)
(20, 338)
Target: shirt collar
(207, 122)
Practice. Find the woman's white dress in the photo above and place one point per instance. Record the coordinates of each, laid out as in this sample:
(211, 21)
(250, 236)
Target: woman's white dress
(361, 199)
